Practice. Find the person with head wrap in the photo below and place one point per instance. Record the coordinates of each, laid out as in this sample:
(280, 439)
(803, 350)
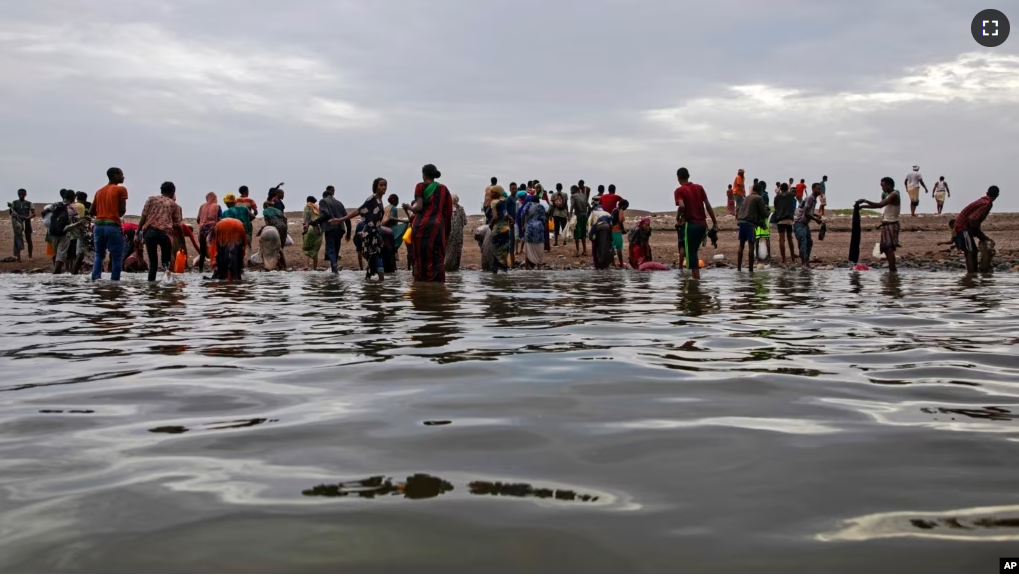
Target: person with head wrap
(456, 236)
(312, 240)
(640, 243)
(433, 219)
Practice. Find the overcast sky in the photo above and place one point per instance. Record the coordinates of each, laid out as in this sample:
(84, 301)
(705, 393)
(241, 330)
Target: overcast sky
(212, 95)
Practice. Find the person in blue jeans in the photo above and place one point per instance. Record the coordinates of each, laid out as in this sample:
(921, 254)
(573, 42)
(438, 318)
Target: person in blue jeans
(108, 207)
(330, 208)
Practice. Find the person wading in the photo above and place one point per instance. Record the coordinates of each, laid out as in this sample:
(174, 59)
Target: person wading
(968, 224)
(108, 208)
(693, 208)
(433, 216)
(891, 202)
(159, 224)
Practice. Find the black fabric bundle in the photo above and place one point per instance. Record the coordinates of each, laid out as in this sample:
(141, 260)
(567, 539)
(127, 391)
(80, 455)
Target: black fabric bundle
(854, 237)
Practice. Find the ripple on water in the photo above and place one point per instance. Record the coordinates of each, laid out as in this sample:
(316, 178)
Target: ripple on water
(662, 421)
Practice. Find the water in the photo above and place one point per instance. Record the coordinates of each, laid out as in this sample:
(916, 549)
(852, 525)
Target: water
(825, 421)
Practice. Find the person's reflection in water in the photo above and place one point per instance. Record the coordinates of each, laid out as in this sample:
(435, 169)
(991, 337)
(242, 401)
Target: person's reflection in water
(891, 285)
(433, 302)
(423, 486)
(854, 282)
(694, 300)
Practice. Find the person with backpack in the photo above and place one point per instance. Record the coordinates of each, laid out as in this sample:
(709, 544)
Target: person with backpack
(560, 212)
(61, 215)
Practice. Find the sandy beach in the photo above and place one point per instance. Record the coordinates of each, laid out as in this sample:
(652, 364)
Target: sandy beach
(919, 237)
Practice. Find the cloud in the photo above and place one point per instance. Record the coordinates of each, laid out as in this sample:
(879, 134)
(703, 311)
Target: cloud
(768, 111)
(143, 71)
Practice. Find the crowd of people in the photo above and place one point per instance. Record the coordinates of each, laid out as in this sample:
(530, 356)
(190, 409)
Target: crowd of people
(520, 226)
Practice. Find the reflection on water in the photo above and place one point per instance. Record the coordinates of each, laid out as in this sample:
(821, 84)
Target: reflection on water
(634, 421)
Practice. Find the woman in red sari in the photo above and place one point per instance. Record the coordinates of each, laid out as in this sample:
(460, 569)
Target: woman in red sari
(433, 217)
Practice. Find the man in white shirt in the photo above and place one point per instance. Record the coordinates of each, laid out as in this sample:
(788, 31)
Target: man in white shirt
(913, 183)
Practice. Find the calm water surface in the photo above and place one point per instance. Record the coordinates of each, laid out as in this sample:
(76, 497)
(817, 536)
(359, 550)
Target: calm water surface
(792, 421)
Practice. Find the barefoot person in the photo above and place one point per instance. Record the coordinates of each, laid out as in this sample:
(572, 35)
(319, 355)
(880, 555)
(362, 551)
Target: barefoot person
(940, 193)
(693, 207)
(752, 214)
(580, 209)
(891, 201)
(311, 242)
(801, 224)
(967, 227)
(785, 211)
(913, 183)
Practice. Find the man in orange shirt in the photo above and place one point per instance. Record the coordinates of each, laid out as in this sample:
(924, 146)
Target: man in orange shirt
(739, 189)
(801, 188)
(108, 207)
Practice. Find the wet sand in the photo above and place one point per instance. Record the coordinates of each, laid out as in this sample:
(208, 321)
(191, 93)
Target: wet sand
(919, 237)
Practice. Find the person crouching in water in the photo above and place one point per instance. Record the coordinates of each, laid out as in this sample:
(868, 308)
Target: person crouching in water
(640, 243)
(231, 238)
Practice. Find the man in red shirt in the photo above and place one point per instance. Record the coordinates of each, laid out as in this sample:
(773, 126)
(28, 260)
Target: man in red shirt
(692, 208)
(801, 188)
(967, 227)
(611, 200)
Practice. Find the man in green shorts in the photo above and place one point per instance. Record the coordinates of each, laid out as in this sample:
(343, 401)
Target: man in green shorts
(693, 208)
(580, 209)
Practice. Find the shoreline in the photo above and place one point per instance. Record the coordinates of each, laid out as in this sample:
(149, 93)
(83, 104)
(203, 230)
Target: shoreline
(920, 237)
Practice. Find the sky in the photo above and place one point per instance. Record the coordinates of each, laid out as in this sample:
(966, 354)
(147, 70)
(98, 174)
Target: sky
(213, 95)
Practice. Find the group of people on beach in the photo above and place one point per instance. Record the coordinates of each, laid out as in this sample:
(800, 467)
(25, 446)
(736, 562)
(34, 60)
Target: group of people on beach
(225, 236)
(520, 223)
(795, 210)
(525, 221)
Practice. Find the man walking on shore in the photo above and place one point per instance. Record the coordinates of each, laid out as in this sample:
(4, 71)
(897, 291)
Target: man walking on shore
(22, 213)
(693, 208)
(891, 202)
(913, 183)
(967, 226)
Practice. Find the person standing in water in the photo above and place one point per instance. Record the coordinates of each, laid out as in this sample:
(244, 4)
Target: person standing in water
(805, 214)
(752, 214)
(913, 183)
(693, 208)
(208, 216)
(968, 223)
(330, 208)
(456, 236)
(159, 224)
(109, 204)
(891, 202)
(619, 228)
(785, 211)
(940, 193)
(311, 241)
(433, 219)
